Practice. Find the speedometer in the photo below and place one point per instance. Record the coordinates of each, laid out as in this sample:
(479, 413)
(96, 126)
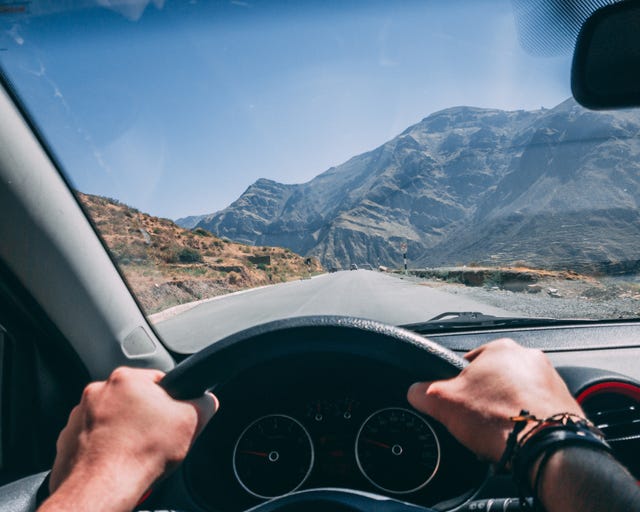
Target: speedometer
(397, 450)
(273, 456)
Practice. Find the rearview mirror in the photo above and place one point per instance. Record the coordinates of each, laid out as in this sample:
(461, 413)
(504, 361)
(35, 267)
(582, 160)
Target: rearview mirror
(606, 64)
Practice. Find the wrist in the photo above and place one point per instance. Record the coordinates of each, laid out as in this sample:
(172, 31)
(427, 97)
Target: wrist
(574, 477)
(111, 485)
(534, 442)
(532, 457)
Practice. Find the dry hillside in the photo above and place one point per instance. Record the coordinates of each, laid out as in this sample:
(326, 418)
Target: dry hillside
(167, 265)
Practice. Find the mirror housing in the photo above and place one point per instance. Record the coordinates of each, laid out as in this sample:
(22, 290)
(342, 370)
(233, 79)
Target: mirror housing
(605, 73)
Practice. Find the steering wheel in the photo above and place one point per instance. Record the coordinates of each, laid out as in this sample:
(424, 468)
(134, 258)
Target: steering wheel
(219, 362)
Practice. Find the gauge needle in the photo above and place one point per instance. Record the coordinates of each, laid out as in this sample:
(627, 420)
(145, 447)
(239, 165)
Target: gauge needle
(377, 443)
(259, 454)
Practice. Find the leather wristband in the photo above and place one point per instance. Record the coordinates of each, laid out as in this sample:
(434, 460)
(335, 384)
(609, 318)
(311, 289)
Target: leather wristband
(551, 439)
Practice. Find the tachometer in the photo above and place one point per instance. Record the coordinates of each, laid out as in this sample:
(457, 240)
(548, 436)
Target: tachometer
(273, 456)
(397, 450)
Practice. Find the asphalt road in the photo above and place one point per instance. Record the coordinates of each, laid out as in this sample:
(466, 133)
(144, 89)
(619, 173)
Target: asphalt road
(361, 293)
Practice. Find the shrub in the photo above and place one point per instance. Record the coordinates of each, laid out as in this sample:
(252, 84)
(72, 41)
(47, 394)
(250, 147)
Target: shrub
(201, 232)
(233, 277)
(189, 255)
(169, 255)
(130, 253)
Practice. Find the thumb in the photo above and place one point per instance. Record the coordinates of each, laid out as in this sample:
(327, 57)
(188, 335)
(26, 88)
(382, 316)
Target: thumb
(418, 398)
(206, 406)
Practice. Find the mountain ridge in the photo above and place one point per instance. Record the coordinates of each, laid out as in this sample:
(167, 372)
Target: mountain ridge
(167, 265)
(455, 174)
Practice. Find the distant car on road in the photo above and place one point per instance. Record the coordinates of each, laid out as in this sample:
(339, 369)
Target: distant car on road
(353, 267)
(333, 269)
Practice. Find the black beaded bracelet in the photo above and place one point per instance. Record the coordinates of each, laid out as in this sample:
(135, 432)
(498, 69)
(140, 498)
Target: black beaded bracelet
(547, 436)
(551, 439)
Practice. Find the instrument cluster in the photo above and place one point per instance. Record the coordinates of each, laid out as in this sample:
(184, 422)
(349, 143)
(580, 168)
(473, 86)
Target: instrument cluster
(395, 449)
(354, 430)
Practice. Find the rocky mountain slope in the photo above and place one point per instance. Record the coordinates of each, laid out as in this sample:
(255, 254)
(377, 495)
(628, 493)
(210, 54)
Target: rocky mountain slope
(552, 188)
(570, 200)
(167, 265)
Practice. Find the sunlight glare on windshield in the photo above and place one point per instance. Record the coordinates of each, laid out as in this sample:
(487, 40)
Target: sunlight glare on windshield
(220, 147)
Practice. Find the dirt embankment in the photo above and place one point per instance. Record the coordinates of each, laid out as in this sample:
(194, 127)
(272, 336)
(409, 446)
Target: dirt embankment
(516, 279)
(540, 293)
(166, 265)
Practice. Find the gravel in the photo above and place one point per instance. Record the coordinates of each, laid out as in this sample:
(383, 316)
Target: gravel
(606, 298)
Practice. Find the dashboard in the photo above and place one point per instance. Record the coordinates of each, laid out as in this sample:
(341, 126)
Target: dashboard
(322, 421)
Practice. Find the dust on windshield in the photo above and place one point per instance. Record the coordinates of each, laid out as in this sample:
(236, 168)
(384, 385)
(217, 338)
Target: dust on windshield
(391, 162)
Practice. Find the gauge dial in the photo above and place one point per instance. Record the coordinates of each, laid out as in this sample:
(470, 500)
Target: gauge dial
(273, 456)
(397, 450)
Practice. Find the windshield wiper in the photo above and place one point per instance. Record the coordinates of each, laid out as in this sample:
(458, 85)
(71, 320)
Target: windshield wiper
(472, 319)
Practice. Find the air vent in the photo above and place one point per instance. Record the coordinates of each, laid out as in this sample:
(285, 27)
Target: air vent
(614, 407)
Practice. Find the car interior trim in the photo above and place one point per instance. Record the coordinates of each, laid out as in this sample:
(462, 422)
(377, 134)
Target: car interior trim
(77, 274)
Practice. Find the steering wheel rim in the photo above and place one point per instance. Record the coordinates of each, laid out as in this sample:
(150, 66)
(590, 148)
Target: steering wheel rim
(224, 359)
(217, 363)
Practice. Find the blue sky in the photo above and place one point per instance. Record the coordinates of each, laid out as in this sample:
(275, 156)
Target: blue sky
(175, 108)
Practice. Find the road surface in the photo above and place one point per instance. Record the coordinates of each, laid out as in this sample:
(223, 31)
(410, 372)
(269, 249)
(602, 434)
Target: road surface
(361, 293)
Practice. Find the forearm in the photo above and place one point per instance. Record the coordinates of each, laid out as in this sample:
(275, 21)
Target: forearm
(98, 489)
(586, 480)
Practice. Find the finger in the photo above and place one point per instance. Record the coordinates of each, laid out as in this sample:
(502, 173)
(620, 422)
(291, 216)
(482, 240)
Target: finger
(473, 354)
(75, 422)
(495, 345)
(156, 375)
(206, 406)
(74, 416)
(417, 396)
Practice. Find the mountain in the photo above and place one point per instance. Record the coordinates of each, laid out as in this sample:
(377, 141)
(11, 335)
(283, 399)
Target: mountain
(189, 222)
(166, 265)
(569, 200)
(464, 184)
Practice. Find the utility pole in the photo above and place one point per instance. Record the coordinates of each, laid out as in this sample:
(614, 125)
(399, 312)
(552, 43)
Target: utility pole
(403, 248)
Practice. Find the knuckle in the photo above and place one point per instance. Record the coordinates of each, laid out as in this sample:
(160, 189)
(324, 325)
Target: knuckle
(538, 356)
(91, 390)
(435, 391)
(505, 343)
(119, 374)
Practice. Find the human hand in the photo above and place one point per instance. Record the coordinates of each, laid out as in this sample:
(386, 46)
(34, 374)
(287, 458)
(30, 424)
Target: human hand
(125, 433)
(502, 379)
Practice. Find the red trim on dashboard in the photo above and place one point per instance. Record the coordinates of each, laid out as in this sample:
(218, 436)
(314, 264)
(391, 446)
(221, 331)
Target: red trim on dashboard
(623, 388)
(611, 386)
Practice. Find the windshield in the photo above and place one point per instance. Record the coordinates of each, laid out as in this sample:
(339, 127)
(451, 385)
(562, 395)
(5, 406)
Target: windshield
(245, 161)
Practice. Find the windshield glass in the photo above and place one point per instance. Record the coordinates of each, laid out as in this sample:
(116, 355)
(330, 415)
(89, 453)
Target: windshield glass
(245, 161)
